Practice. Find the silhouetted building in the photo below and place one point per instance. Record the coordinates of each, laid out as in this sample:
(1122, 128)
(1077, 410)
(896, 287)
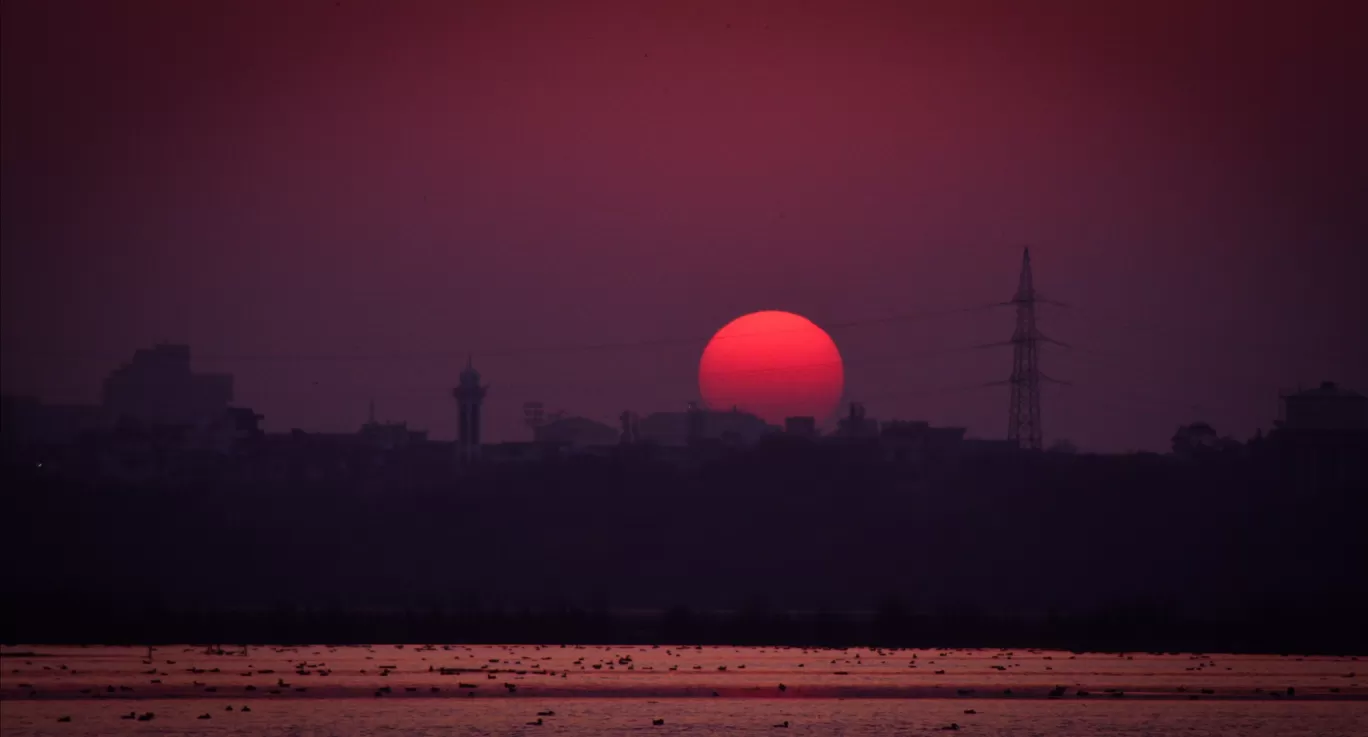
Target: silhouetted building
(27, 423)
(136, 452)
(379, 457)
(629, 422)
(676, 428)
(1194, 439)
(515, 452)
(1327, 407)
(158, 388)
(856, 425)
(694, 428)
(577, 432)
(803, 427)
(236, 430)
(919, 443)
(389, 435)
(469, 401)
(534, 416)
(1322, 438)
(987, 448)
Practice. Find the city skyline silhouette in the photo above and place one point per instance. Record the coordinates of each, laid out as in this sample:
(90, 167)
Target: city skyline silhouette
(963, 399)
(602, 366)
(334, 242)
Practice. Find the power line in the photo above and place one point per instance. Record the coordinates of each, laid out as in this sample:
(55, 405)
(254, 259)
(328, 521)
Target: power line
(526, 350)
(1112, 358)
(1208, 339)
(894, 393)
(887, 359)
(1152, 400)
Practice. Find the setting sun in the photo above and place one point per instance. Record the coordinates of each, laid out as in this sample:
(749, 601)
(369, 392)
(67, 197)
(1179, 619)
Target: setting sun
(774, 365)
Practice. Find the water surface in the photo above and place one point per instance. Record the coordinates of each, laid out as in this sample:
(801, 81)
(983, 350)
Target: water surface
(364, 691)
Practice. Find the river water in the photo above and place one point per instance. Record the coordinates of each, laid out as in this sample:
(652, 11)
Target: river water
(360, 691)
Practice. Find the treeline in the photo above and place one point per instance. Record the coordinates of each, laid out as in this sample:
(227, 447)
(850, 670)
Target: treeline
(769, 531)
(1124, 630)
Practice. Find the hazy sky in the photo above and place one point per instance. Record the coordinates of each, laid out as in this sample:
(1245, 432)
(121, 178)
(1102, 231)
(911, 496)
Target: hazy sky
(337, 201)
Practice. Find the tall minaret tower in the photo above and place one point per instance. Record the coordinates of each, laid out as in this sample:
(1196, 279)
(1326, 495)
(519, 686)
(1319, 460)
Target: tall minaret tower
(469, 397)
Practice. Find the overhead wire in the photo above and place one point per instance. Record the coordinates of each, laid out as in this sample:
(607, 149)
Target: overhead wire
(625, 345)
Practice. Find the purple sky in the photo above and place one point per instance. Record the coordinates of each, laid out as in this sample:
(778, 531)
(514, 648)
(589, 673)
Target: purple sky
(337, 201)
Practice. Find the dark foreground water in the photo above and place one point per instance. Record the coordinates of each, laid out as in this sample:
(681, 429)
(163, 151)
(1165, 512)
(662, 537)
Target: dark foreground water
(608, 690)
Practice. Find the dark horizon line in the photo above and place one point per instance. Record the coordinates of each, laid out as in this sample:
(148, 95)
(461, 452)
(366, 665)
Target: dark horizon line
(1137, 629)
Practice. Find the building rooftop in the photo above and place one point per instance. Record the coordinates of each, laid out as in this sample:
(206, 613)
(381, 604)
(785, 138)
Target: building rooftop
(1327, 389)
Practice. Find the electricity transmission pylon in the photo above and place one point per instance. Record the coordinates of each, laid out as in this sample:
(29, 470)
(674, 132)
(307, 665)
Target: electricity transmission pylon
(1023, 417)
(1023, 409)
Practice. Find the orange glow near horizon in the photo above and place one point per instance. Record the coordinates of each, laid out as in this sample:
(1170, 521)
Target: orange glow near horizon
(774, 365)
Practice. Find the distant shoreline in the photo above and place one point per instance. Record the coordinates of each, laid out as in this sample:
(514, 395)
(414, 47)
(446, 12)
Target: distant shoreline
(1117, 631)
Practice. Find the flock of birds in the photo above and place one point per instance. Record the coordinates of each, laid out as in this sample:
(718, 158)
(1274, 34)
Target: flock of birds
(512, 662)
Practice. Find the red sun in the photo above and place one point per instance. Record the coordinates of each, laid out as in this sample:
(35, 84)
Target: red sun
(774, 365)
